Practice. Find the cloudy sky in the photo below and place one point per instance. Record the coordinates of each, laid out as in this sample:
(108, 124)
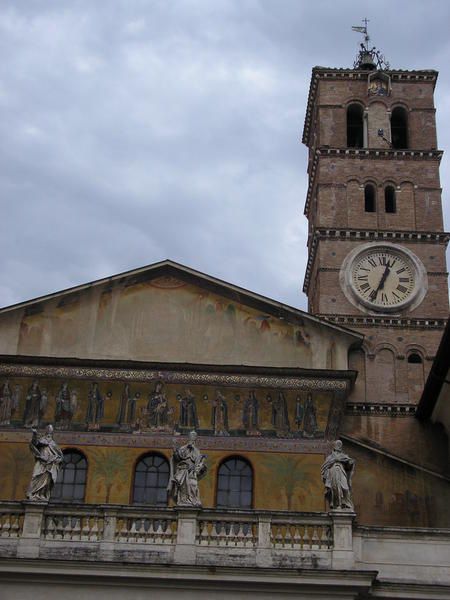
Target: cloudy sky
(138, 130)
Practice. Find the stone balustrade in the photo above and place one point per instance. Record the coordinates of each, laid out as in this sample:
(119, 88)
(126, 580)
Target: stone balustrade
(174, 535)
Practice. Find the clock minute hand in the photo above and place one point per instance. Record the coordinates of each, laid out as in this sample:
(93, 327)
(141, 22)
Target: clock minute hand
(374, 294)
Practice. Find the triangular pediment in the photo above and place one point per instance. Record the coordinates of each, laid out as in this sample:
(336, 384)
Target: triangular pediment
(169, 313)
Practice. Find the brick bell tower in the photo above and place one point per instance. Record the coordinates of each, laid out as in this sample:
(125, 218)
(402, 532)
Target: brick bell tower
(376, 246)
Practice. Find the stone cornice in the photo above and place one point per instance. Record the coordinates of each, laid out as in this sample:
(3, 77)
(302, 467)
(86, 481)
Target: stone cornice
(386, 321)
(272, 377)
(319, 73)
(364, 153)
(368, 235)
(384, 410)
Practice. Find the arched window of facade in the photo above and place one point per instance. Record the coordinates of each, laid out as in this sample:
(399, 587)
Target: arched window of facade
(370, 204)
(355, 126)
(71, 482)
(234, 484)
(390, 205)
(415, 359)
(399, 128)
(151, 478)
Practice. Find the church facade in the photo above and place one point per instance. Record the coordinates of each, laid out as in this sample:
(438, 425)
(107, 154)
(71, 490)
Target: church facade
(126, 367)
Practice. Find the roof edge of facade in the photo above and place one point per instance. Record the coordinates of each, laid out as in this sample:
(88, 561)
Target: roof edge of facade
(237, 292)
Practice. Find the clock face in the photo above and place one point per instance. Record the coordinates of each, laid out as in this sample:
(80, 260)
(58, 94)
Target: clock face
(383, 278)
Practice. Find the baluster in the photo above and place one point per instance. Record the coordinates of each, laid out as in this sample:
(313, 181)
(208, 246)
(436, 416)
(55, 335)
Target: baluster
(122, 531)
(76, 532)
(167, 532)
(214, 533)
(315, 538)
(132, 531)
(5, 525)
(93, 533)
(173, 530)
(14, 526)
(247, 532)
(297, 540)
(158, 539)
(50, 528)
(84, 528)
(59, 527)
(145, 531)
(240, 538)
(307, 538)
(203, 532)
(67, 528)
(288, 537)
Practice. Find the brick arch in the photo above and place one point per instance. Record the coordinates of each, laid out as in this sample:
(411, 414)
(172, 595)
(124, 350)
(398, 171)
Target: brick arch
(355, 100)
(385, 346)
(400, 104)
(379, 100)
(406, 182)
(410, 348)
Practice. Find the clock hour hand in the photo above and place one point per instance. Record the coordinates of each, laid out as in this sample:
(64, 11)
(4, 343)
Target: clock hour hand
(374, 293)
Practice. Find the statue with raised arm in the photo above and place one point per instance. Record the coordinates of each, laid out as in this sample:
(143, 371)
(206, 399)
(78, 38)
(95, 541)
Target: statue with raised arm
(187, 466)
(48, 459)
(337, 472)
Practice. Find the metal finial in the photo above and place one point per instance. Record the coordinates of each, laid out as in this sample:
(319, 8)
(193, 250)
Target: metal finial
(368, 58)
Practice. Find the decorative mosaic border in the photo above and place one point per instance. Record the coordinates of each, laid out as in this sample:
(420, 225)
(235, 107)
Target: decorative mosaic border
(157, 441)
(175, 376)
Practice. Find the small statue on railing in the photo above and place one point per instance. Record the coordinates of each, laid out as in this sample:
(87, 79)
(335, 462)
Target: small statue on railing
(337, 472)
(48, 459)
(187, 466)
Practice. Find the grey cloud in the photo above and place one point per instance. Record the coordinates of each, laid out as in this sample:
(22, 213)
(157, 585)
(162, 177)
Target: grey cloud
(159, 129)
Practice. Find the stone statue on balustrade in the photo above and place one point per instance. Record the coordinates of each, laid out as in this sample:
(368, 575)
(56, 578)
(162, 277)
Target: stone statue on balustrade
(187, 467)
(48, 460)
(9, 402)
(66, 405)
(35, 404)
(337, 472)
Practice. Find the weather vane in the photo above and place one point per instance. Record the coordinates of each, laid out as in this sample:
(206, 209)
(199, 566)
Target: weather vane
(368, 58)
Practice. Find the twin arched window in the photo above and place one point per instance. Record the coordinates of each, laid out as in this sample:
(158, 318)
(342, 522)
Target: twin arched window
(71, 482)
(370, 202)
(355, 127)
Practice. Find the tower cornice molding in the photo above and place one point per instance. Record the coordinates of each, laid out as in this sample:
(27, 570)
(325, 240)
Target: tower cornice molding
(367, 235)
(364, 153)
(319, 73)
(385, 321)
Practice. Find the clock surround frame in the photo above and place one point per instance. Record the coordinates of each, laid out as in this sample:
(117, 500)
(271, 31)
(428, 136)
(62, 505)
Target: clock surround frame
(413, 300)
